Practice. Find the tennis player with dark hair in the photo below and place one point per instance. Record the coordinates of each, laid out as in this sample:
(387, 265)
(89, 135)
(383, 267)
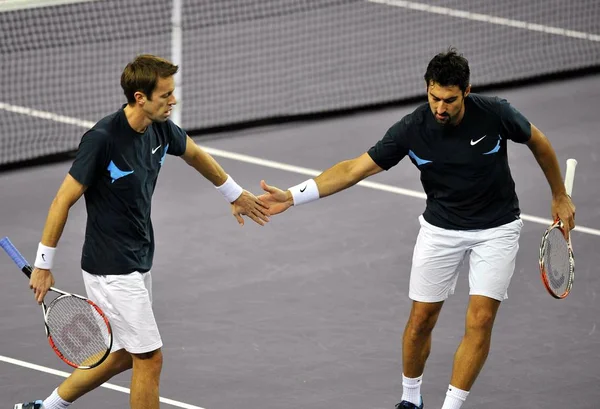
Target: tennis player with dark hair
(116, 169)
(458, 141)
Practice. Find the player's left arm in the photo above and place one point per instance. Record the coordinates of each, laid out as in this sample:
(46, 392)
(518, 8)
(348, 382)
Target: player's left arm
(203, 162)
(242, 201)
(562, 206)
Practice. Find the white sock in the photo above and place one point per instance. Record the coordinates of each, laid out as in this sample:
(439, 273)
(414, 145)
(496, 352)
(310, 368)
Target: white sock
(411, 389)
(454, 398)
(54, 401)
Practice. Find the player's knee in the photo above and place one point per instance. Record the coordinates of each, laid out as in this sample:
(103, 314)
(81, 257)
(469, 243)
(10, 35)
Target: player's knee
(121, 361)
(480, 320)
(149, 360)
(419, 327)
(422, 321)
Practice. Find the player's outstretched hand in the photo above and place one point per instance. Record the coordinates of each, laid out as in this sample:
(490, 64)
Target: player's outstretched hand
(277, 200)
(251, 206)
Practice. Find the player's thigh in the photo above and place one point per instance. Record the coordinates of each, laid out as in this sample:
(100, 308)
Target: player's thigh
(492, 260)
(437, 256)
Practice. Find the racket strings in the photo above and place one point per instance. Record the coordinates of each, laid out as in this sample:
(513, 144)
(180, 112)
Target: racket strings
(557, 263)
(78, 330)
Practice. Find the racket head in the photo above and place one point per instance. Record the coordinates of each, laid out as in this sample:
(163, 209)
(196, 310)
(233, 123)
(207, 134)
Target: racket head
(557, 262)
(78, 331)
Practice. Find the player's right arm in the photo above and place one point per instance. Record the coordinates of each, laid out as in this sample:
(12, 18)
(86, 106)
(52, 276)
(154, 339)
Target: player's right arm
(69, 192)
(90, 159)
(340, 176)
(386, 153)
(346, 174)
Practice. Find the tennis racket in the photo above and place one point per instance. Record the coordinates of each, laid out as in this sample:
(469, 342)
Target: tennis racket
(77, 329)
(557, 263)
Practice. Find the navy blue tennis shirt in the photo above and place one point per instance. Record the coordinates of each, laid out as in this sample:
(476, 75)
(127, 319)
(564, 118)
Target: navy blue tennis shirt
(464, 168)
(120, 168)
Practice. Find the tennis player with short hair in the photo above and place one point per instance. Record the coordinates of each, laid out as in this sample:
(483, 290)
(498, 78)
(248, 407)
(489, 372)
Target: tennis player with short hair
(116, 169)
(458, 141)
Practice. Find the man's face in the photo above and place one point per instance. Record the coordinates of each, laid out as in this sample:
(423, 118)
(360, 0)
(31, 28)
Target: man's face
(447, 103)
(158, 109)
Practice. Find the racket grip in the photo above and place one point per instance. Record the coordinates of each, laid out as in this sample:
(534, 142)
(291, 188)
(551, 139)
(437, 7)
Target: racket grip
(570, 175)
(14, 254)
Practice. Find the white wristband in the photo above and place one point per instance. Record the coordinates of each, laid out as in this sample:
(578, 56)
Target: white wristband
(230, 190)
(45, 257)
(305, 192)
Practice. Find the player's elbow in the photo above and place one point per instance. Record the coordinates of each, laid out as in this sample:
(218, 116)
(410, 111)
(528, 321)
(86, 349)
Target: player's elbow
(350, 173)
(189, 157)
(193, 156)
(361, 168)
(62, 202)
(69, 192)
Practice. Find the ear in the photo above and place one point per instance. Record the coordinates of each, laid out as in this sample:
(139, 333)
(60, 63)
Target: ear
(468, 90)
(140, 98)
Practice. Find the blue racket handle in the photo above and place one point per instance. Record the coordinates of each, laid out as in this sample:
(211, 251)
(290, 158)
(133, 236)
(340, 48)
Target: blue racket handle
(14, 254)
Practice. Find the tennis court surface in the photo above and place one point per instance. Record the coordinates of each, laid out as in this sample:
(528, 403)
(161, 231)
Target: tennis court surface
(308, 311)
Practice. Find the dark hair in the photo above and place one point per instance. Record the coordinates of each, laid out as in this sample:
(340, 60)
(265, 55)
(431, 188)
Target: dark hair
(447, 69)
(142, 75)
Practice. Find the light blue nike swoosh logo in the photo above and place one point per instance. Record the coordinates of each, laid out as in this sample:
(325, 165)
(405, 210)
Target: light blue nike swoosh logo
(116, 173)
(496, 148)
(162, 160)
(417, 159)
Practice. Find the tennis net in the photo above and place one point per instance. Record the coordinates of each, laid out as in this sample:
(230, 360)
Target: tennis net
(260, 60)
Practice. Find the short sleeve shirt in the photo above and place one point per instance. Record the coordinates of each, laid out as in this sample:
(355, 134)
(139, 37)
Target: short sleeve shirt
(120, 167)
(464, 168)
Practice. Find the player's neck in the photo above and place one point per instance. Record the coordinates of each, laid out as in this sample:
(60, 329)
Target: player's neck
(137, 119)
(460, 116)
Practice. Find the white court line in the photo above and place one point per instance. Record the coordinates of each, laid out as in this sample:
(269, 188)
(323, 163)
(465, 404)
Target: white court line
(104, 385)
(411, 5)
(269, 163)
(10, 5)
(45, 115)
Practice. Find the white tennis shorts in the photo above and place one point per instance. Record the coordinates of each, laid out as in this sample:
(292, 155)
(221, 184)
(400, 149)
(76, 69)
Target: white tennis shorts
(439, 253)
(127, 302)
